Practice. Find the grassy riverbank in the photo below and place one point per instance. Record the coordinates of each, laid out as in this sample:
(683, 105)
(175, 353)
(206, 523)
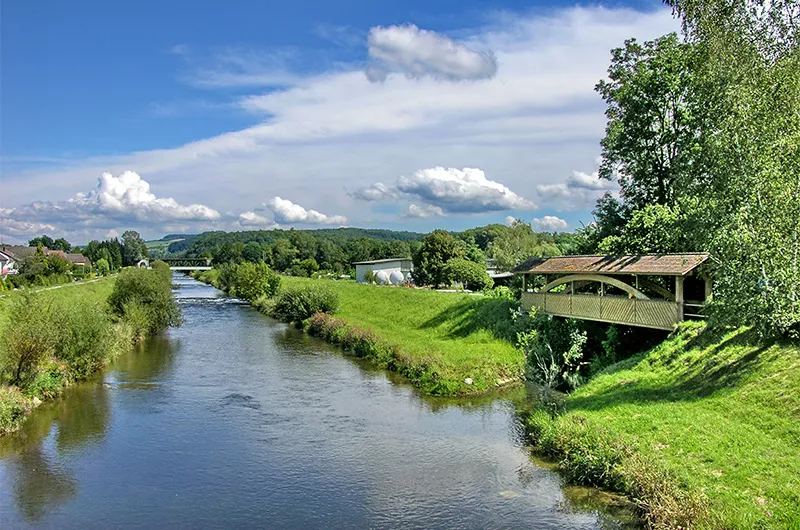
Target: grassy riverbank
(704, 428)
(449, 343)
(53, 338)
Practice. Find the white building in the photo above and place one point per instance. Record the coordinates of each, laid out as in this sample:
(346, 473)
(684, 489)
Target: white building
(401, 265)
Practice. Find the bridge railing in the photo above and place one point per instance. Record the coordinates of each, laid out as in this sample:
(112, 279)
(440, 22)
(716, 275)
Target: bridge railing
(656, 314)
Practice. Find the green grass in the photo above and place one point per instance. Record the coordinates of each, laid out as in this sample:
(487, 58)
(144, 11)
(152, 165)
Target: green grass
(719, 412)
(95, 290)
(456, 335)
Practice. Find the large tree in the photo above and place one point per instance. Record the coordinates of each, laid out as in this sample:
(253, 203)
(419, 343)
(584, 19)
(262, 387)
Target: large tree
(651, 147)
(518, 243)
(430, 262)
(133, 248)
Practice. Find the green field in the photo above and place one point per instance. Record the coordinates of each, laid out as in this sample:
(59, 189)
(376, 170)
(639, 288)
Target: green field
(720, 412)
(457, 334)
(97, 290)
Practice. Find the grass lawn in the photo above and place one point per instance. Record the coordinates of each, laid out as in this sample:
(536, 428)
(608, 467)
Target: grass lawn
(96, 290)
(459, 335)
(720, 411)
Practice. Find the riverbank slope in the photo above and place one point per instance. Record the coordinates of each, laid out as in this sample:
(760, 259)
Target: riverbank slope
(462, 343)
(719, 412)
(14, 405)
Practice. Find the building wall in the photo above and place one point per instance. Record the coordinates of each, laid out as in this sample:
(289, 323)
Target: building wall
(389, 267)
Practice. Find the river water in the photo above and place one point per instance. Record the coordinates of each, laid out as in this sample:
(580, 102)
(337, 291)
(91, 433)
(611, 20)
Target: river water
(235, 420)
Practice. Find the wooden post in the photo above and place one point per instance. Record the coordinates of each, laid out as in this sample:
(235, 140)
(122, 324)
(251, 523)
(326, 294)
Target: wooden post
(524, 283)
(679, 296)
(709, 292)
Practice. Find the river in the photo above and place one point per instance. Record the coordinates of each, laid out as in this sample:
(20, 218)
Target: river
(235, 420)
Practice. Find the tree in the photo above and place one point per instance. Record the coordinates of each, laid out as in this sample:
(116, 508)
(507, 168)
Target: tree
(437, 249)
(102, 266)
(518, 243)
(43, 240)
(651, 146)
(253, 252)
(133, 248)
(471, 275)
(61, 244)
(283, 254)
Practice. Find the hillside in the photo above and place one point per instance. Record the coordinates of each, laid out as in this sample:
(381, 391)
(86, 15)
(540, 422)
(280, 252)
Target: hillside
(719, 411)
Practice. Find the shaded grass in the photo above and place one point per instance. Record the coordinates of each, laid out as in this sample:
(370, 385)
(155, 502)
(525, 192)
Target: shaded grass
(719, 412)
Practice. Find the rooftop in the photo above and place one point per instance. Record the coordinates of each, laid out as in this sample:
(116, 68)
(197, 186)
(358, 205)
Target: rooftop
(372, 262)
(642, 264)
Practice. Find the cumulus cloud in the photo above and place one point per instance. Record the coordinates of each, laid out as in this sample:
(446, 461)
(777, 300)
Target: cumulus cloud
(580, 191)
(579, 179)
(287, 212)
(13, 228)
(510, 220)
(548, 223)
(374, 192)
(252, 219)
(127, 197)
(419, 53)
(424, 211)
(461, 191)
(123, 199)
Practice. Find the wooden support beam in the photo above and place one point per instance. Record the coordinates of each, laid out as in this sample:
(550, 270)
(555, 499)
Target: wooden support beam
(709, 292)
(679, 296)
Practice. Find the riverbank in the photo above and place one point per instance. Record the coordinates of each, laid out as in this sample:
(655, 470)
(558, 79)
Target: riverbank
(704, 430)
(446, 343)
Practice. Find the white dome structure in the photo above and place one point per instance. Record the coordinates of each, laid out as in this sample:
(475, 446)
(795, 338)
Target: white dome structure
(382, 277)
(396, 278)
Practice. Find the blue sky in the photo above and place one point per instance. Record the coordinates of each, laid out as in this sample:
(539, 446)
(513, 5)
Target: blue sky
(179, 116)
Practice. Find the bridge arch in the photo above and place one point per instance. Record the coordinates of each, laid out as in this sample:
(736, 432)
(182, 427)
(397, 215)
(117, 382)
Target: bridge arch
(633, 291)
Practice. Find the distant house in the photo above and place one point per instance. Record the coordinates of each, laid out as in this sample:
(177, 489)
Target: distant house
(76, 259)
(12, 256)
(387, 266)
(499, 277)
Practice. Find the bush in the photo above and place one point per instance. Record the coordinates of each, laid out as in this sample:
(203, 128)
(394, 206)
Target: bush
(468, 273)
(87, 340)
(13, 406)
(252, 281)
(151, 289)
(31, 337)
(299, 303)
(554, 351)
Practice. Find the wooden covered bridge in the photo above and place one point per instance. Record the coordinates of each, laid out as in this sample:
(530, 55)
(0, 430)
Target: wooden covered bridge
(649, 290)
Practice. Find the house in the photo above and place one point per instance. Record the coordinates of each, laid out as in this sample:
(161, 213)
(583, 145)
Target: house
(403, 266)
(78, 260)
(12, 256)
(499, 276)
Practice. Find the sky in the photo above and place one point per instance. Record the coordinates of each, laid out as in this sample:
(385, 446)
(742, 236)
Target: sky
(180, 117)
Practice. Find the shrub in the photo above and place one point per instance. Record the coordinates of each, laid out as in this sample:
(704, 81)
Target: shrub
(102, 266)
(253, 281)
(49, 381)
(137, 317)
(30, 337)
(13, 406)
(151, 289)
(87, 340)
(299, 303)
(226, 276)
(468, 273)
(554, 351)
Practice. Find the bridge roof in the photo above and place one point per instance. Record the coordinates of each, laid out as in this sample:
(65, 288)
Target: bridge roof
(642, 264)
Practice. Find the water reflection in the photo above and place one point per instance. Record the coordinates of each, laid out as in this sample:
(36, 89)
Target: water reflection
(235, 420)
(39, 486)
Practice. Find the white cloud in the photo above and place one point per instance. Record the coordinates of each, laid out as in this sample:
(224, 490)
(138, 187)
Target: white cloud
(419, 53)
(579, 192)
(252, 219)
(287, 212)
(423, 212)
(579, 179)
(538, 117)
(510, 220)
(461, 190)
(549, 223)
(374, 192)
(14, 229)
